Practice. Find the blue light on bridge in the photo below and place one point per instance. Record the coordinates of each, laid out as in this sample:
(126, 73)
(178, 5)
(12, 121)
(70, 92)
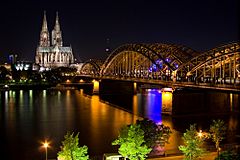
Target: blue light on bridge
(168, 60)
(154, 67)
(176, 65)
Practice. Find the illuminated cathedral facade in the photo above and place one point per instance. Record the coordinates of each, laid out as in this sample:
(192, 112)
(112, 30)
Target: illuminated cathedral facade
(52, 54)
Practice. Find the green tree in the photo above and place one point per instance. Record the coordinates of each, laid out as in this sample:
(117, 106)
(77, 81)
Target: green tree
(150, 131)
(163, 133)
(154, 134)
(192, 148)
(228, 155)
(218, 131)
(70, 149)
(131, 141)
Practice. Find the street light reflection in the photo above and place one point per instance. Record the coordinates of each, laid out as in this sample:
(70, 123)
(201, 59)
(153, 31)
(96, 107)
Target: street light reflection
(46, 146)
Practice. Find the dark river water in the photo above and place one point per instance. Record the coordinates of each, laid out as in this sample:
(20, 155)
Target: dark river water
(28, 117)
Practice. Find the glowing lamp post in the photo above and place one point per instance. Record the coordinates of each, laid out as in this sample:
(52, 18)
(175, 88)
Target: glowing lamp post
(46, 145)
(200, 134)
(203, 135)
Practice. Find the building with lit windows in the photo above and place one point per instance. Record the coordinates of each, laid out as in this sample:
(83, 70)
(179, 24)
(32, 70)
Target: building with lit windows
(53, 54)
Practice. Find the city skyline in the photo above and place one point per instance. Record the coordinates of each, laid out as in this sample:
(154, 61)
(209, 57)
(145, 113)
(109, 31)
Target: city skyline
(90, 27)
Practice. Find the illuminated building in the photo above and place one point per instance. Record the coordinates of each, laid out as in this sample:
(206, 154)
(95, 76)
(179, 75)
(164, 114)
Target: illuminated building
(54, 54)
(12, 58)
(23, 66)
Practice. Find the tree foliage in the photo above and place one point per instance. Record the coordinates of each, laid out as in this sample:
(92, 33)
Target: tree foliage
(192, 148)
(131, 141)
(70, 149)
(163, 133)
(228, 155)
(150, 131)
(218, 131)
(3, 73)
(154, 134)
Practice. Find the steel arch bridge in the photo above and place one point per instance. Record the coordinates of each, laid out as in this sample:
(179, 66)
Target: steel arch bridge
(91, 67)
(171, 62)
(218, 65)
(146, 60)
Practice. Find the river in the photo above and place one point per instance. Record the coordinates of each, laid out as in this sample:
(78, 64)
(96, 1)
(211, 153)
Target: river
(28, 117)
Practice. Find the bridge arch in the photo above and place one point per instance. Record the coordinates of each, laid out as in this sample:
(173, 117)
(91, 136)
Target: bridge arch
(144, 60)
(218, 65)
(90, 67)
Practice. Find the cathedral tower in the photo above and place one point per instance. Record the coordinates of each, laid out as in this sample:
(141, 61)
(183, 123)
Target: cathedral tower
(57, 33)
(55, 54)
(44, 35)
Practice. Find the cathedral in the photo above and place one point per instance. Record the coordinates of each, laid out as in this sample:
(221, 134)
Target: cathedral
(53, 54)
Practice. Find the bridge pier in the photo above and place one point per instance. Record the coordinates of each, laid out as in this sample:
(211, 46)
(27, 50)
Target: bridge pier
(107, 86)
(95, 86)
(204, 102)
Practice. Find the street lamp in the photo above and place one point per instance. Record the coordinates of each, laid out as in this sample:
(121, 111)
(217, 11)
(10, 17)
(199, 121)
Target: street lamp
(200, 134)
(46, 145)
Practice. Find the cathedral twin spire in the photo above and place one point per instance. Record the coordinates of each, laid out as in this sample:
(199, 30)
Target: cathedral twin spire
(44, 35)
(56, 33)
(44, 25)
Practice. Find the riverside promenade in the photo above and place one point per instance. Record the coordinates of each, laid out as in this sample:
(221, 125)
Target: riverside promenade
(207, 156)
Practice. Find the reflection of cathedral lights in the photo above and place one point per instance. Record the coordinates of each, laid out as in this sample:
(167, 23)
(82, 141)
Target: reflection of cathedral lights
(6, 96)
(52, 55)
(44, 93)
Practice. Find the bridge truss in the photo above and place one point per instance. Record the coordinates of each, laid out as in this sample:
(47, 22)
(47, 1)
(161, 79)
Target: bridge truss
(171, 62)
(91, 67)
(146, 60)
(218, 65)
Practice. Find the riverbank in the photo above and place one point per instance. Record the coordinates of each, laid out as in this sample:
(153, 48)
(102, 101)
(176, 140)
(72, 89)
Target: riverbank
(24, 86)
(179, 156)
(207, 156)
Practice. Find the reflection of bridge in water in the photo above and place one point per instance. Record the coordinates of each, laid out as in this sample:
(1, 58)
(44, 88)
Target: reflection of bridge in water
(171, 65)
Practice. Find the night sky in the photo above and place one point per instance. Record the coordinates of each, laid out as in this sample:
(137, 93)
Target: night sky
(86, 25)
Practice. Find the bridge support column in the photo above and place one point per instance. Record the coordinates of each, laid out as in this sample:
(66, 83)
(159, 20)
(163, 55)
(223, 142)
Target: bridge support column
(95, 87)
(135, 88)
(203, 102)
(116, 87)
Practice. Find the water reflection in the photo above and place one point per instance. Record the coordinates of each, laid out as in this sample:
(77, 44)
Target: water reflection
(150, 103)
(27, 117)
(103, 116)
(153, 99)
(167, 102)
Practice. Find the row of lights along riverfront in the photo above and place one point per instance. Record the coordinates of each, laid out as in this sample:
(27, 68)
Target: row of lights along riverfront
(46, 145)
